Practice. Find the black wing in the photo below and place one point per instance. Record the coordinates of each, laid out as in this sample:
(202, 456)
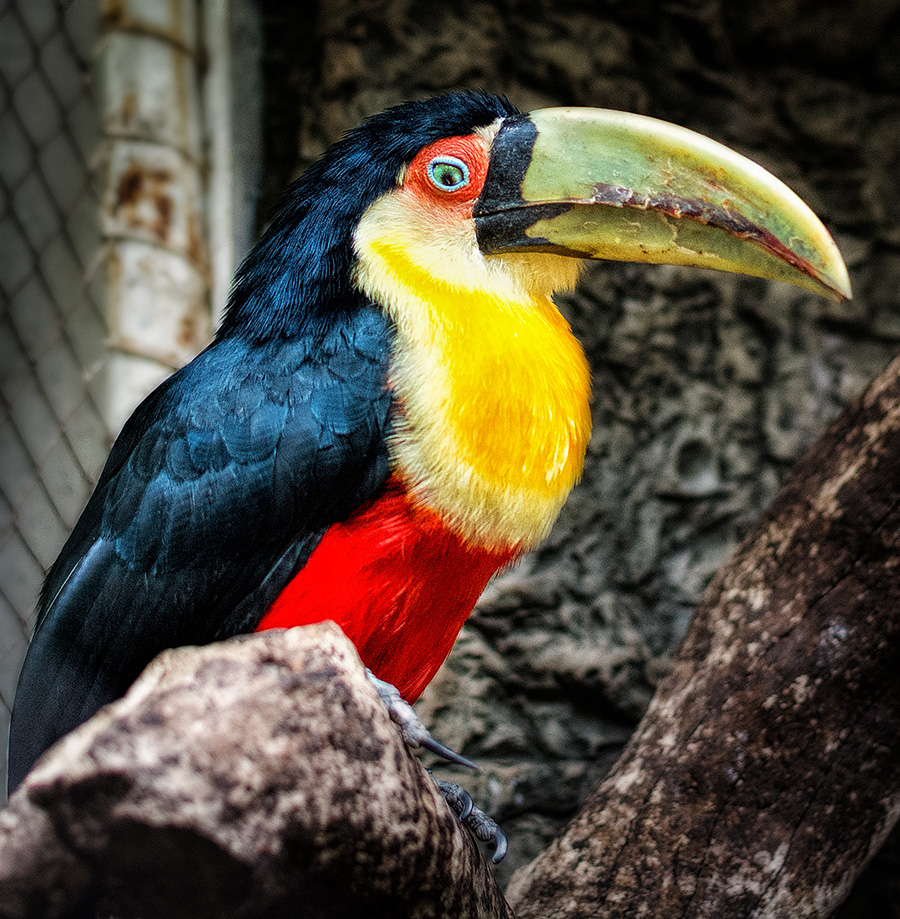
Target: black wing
(215, 493)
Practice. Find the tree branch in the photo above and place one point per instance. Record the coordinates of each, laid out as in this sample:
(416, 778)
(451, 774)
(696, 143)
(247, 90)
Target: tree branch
(256, 777)
(766, 772)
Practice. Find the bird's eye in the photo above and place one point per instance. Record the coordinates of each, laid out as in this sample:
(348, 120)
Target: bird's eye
(447, 173)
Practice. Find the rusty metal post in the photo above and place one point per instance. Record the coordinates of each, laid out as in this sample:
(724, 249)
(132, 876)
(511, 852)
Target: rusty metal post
(153, 195)
(232, 92)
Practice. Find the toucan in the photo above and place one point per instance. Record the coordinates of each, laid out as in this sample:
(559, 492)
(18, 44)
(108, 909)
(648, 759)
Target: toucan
(393, 409)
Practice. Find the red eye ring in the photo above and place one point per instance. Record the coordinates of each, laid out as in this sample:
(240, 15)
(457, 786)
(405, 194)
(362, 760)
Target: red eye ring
(449, 172)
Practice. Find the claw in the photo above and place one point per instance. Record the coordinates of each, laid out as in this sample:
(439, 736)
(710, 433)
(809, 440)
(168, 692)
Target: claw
(482, 827)
(501, 845)
(413, 732)
(457, 797)
(435, 746)
(487, 830)
(500, 848)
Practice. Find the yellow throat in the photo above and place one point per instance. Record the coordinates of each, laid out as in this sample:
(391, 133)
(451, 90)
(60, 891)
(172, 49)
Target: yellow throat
(491, 386)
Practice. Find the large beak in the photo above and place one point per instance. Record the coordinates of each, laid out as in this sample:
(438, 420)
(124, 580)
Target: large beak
(594, 183)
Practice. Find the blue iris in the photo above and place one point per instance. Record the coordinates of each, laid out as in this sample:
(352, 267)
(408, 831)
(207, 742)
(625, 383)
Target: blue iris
(448, 173)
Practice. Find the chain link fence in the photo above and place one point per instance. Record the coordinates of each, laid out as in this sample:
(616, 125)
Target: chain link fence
(53, 437)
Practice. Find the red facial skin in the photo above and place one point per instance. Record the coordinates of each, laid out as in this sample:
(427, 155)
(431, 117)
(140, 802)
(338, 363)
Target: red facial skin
(471, 150)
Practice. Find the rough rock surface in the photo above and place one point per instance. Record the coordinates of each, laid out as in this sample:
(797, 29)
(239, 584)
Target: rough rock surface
(256, 777)
(706, 387)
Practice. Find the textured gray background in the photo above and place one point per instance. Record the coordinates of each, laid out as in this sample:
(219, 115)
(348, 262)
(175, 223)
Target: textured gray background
(53, 436)
(706, 387)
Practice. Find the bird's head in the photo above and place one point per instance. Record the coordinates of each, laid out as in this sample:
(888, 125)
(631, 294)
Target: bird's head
(468, 192)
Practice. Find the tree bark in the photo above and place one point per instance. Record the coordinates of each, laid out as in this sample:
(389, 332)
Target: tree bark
(766, 772)
(259, 777)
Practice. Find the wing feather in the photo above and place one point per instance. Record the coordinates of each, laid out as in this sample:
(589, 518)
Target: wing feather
(214, 495)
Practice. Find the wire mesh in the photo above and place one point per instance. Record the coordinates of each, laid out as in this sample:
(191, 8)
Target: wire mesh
(53, 438)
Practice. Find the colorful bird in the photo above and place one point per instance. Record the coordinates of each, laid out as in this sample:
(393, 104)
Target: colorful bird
(393, 409)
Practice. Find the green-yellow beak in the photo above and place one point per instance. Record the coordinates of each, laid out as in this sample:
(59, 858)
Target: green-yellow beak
(594, 183)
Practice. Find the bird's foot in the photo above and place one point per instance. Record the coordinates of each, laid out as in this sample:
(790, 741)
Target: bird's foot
(413, 732)
(416, 735)
(483, 827)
